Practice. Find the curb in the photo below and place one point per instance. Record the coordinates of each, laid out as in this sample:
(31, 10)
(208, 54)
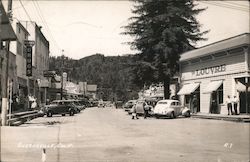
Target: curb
(20, 118)
(225, 118)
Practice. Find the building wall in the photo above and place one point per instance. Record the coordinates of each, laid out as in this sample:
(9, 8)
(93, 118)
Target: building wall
(228, 67)
(233, 64)
(20, 50)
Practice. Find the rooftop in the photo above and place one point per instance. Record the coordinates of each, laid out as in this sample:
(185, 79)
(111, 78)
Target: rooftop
(229, 43)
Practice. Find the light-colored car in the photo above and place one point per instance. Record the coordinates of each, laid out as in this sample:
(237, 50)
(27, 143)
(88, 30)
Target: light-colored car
(128, 105)
(170, 108)
(140, 105)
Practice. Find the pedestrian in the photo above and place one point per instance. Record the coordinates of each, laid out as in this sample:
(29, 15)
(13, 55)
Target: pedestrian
(235, 102)
(146, 109)
(134, 114)
(195, 104)
(34, 104)
(229, 105)
(214, 106)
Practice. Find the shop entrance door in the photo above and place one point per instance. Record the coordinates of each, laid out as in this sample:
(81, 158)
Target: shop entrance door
(214, 103)
(243, 102)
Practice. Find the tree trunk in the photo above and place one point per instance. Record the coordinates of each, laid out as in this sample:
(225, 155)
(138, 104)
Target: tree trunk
(166, 84)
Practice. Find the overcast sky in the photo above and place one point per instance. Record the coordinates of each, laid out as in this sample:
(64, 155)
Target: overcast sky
(83, 28)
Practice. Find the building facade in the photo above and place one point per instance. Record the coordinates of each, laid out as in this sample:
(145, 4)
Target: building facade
(37, 83)
(19, 49)
(213, 72)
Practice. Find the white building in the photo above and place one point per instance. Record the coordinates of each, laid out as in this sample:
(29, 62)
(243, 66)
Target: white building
(215, 71)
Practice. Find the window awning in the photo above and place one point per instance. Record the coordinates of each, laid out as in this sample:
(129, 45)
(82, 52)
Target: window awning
(188, 88)
(241, 87)
(213, 86)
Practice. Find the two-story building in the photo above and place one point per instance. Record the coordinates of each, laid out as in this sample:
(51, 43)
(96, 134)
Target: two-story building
(19, 49)
(37, 83)
(216, 71)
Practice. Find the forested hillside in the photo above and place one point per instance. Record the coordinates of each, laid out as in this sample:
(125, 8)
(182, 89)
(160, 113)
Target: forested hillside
(113, 75)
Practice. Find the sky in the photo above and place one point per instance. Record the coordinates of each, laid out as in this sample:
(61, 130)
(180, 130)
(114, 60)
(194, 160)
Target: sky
(81, 28)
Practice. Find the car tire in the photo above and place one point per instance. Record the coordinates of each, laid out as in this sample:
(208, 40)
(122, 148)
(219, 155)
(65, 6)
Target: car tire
(172, 116)
(187, 115)
(71, 113)
(49, 114)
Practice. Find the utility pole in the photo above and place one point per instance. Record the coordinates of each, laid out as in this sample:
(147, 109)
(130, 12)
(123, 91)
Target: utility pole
(62, 75)
(5, 79)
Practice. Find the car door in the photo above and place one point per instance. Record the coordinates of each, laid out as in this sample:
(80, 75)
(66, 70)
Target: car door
(178, 108)
(56, 109)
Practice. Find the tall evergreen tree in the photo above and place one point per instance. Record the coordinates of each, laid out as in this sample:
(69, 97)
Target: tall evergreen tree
(162, 30)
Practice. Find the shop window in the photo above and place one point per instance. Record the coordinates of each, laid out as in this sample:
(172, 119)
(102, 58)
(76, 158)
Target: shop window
(19, 48)
(220, 94)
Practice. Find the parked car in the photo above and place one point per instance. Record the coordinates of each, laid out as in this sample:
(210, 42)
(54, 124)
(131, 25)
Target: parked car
(128, 105)
(59, 107)
(71, 103)
(170, 108)
(139, 106)
(101, 104)
(80, 106)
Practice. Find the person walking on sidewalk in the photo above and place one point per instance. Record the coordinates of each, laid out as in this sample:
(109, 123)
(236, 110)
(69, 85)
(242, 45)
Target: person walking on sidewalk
(235, 101)
(229, 105)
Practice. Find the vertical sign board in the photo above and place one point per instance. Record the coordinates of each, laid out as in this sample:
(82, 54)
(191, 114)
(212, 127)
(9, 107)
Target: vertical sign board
(29, 61)
(29, 44)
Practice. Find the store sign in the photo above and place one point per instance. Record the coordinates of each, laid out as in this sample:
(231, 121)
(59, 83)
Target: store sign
(29, 61)
(210, 70)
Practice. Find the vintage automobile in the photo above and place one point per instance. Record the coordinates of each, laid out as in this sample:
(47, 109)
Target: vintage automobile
(78, 104)
(59, 107)
(170, 108)
(128, 105)
(139, 106)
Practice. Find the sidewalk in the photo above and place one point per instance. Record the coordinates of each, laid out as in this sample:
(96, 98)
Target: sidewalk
(235, 118)
(21, 116)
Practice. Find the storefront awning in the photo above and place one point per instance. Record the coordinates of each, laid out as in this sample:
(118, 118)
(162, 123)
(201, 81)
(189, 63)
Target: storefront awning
(241, 87)
(188, 89)
(213, 86)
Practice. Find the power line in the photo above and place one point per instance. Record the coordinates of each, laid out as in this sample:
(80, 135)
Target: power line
(226, 6)
(40, 14)
(43, 20)
(237, 4)
(25, 10)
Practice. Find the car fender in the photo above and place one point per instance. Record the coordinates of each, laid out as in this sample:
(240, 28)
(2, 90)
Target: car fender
(185, 110)
(169, 111)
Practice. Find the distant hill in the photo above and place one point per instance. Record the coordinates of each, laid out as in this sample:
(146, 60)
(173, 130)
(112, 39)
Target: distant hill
(112, 74)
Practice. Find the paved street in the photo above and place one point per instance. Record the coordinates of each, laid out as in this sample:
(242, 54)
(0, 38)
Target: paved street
(110, 135)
